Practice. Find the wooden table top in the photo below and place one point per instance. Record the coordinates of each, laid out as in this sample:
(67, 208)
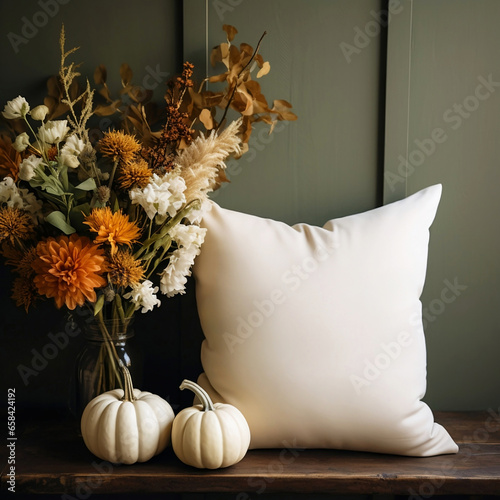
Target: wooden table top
(52, 459)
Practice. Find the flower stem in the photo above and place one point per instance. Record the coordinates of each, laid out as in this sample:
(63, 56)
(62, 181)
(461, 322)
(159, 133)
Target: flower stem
(112, 176)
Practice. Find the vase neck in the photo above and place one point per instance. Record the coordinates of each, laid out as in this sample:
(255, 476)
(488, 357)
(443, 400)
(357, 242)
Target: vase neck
(108, 330)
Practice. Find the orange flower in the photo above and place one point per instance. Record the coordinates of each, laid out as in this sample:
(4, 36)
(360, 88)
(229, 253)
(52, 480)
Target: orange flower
(15, 224)
(135, 174)
(124, 270)
(119, 146)
(68, 269)
(112, 228)
(24, 292)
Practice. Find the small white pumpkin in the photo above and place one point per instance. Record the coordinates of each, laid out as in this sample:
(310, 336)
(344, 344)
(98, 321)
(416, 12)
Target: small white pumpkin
(208, 435)
(127, 426)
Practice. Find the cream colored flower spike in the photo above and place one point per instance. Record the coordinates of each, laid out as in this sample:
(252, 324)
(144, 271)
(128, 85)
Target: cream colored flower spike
(315, 334)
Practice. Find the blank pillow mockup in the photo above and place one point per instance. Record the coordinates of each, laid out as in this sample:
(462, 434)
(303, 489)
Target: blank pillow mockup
(315, 334)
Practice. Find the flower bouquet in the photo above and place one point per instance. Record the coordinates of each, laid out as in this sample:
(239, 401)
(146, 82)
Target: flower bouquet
(110, 224)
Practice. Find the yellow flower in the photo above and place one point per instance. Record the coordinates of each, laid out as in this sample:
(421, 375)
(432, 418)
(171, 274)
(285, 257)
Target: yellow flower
(24, 292)
(68, 269)
(124, 270)
(119, 146)
(135, 175)
(15, 224)
(112, 228)
(24, 265)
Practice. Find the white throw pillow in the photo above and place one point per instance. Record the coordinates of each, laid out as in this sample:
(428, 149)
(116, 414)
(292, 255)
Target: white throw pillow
(315, 334)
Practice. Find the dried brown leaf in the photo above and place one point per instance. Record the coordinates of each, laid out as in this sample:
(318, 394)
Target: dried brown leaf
(108, 110)
(207, 119)
(224, 53)
(53, 87)
(218, 78)
(264, 70)
(288, 116)
(215, 55)
(104, 91)
(246, 99)
(100, 75)
(246, 50)
(281, 105)
(260, 60)
(126, 74)
(234, 55)
(230, 30)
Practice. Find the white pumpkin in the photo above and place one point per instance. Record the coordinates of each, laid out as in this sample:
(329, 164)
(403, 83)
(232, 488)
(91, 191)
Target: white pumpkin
(127, 426)
(208, 435)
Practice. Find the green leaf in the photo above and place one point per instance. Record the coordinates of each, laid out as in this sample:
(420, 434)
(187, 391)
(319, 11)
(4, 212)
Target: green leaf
(58, 220)
(99, 305)
(116, 205)
(87, 185)
(54, 188)
(77, 216)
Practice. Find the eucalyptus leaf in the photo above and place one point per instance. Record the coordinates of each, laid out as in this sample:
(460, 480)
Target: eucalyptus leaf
(87, 185)
(77, 217)
(53, 188)
(99, 305)
(58, 220)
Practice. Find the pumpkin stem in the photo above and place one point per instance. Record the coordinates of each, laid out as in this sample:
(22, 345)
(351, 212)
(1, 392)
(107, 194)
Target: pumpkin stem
(200, 392)
(128, 387)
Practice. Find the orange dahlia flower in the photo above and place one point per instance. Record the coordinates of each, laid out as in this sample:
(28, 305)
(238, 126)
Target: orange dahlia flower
(112, 228)
(68, 269)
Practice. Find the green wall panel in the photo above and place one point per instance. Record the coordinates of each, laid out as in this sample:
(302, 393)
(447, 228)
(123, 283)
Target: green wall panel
(325, 164)
(453, 119)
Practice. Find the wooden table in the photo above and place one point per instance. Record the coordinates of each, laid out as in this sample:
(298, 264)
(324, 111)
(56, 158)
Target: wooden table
(52, 459)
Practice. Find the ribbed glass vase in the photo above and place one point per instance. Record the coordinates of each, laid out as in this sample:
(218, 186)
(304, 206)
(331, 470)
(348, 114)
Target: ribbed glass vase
(108, 343)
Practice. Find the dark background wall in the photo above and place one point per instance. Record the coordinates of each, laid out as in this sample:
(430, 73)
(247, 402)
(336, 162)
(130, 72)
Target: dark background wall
(364, 95)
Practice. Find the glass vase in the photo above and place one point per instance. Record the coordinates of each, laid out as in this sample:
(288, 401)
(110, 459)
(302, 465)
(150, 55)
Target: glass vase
(108, 343)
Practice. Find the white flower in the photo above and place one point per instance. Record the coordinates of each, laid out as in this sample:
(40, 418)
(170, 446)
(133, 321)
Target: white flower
(143, 295)
(73, 145)
(22, 142)
(195, 216)
(39, 113)
(53, 132)
(20, 198)
(32, 205)
(162, 196)
(174, 276)
(186, 236)
(28, 167)
(9, 193)
(17, 108)
(70, 151)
